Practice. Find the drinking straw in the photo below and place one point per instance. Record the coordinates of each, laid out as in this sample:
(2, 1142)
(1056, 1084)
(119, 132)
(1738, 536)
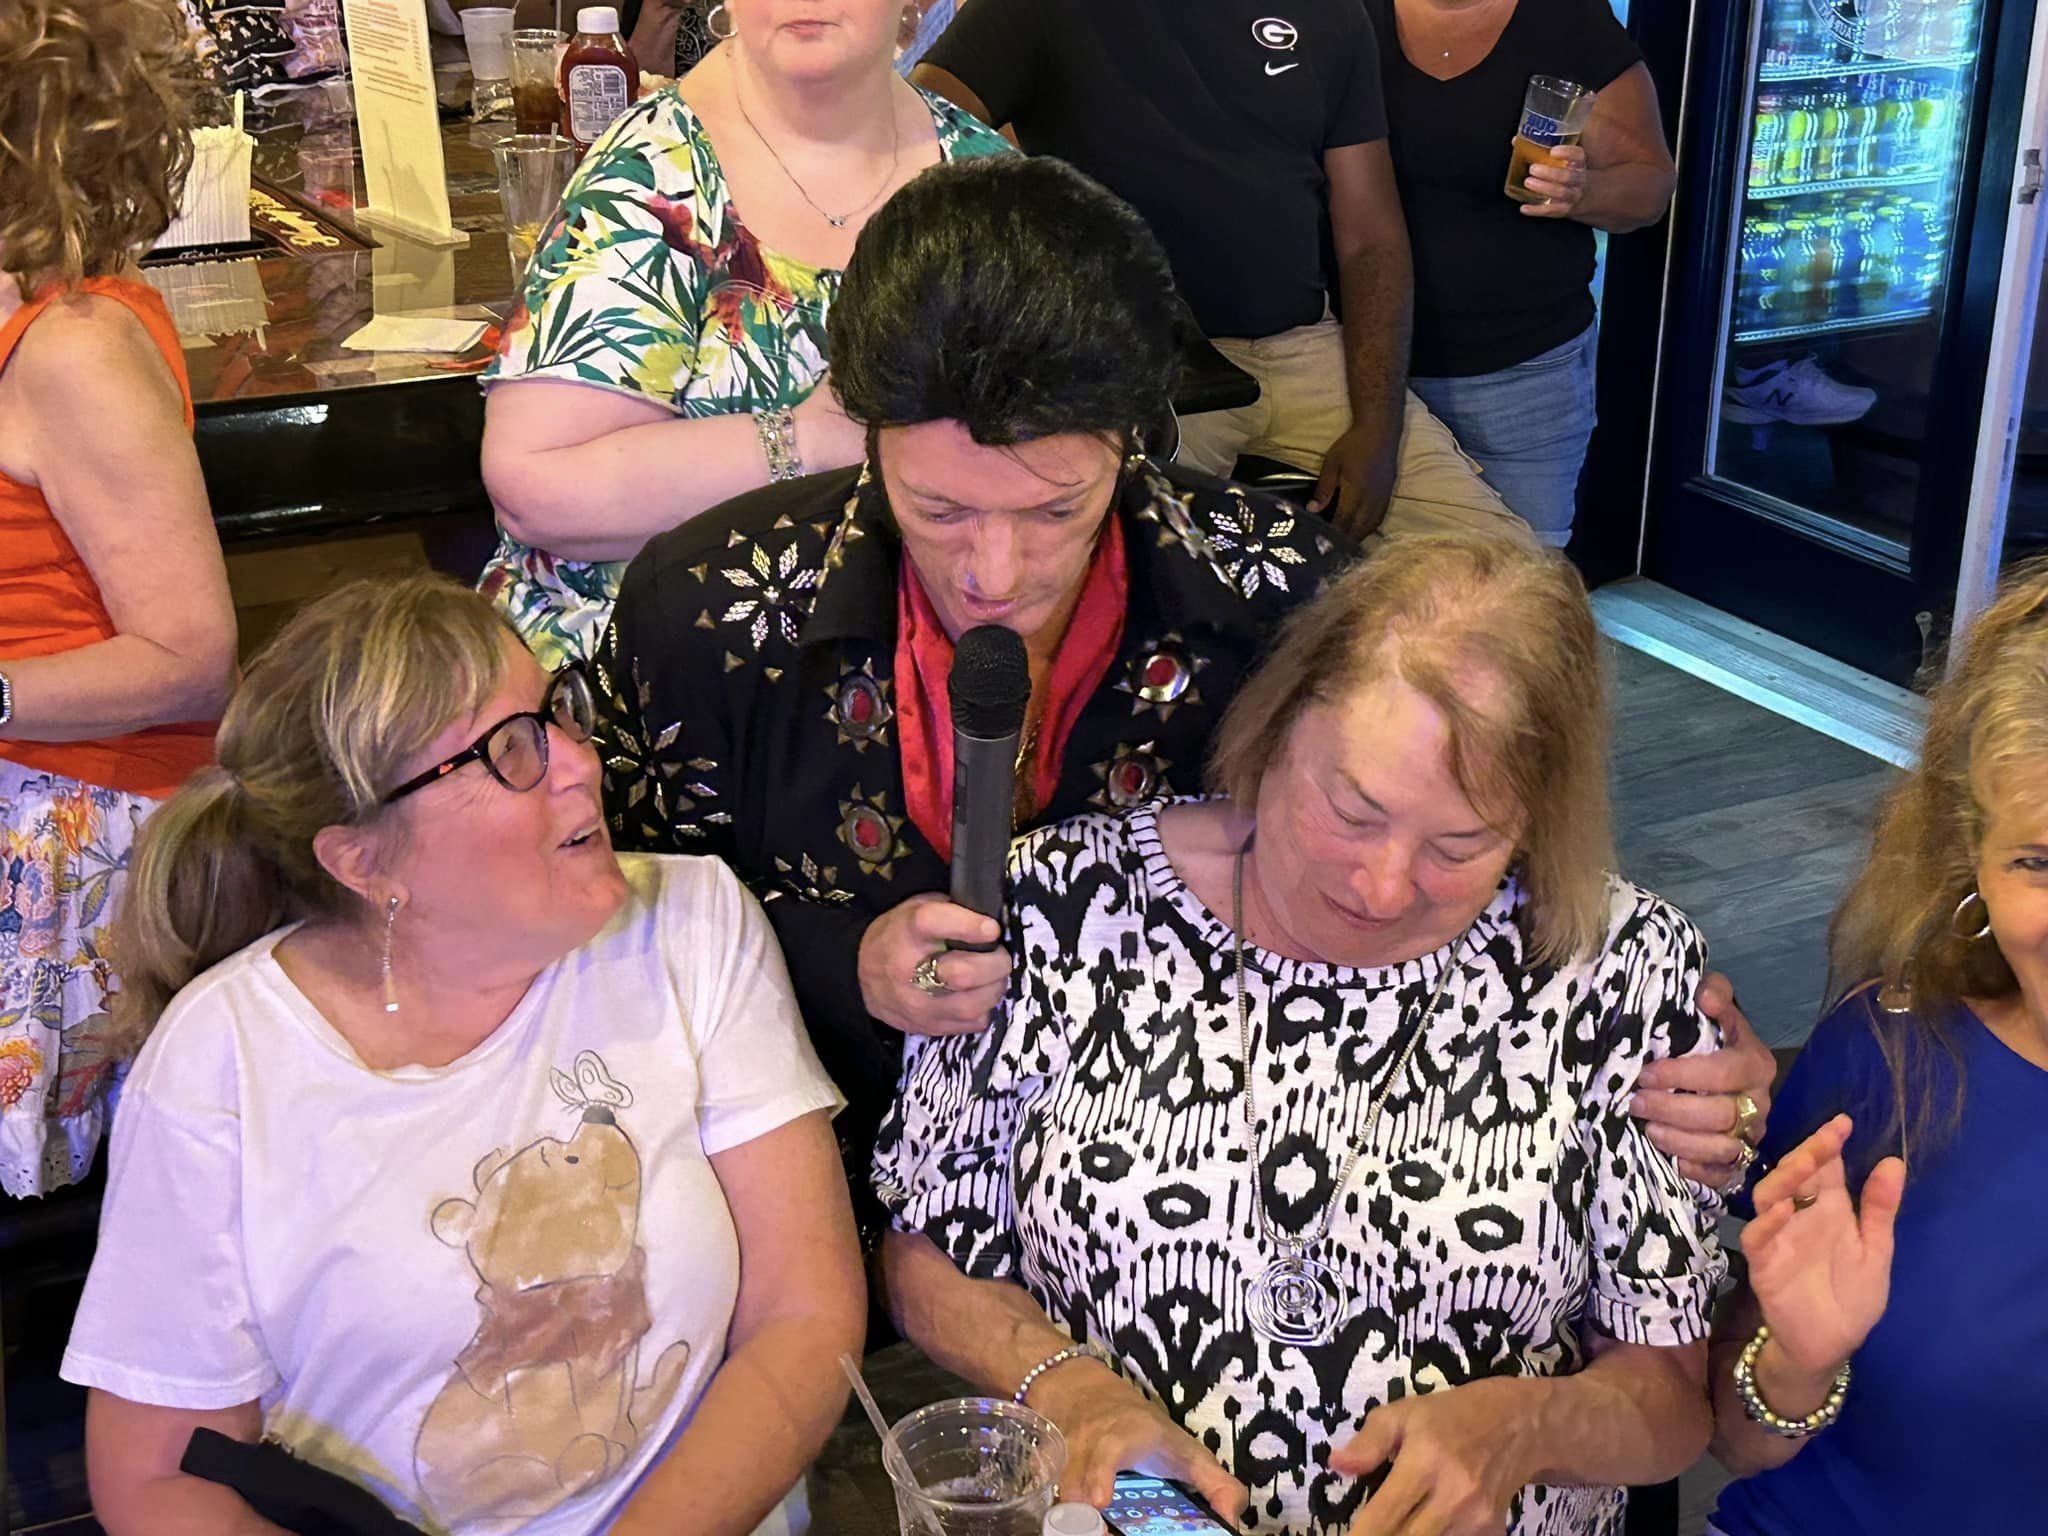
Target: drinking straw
(892, 1454)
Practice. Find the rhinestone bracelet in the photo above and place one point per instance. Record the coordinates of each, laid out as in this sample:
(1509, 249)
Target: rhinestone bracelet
(1762, 1413)
(777, 430)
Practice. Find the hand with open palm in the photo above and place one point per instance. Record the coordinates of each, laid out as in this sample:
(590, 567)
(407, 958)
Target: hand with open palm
(1820, 1270)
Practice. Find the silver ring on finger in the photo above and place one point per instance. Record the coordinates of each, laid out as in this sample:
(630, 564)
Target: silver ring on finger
(926, 977)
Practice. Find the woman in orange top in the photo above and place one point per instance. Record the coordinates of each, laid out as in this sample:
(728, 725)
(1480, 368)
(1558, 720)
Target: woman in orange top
(117, 635)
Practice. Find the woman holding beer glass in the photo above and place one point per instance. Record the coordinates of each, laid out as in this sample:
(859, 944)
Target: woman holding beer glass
(1504, 325)
(669, 350)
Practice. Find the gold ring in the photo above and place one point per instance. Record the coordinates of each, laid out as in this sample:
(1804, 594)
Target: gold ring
(1805, 1202)
(1749, 1119)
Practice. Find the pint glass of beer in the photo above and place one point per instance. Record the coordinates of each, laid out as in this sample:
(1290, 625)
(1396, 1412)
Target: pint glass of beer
(1554, 112)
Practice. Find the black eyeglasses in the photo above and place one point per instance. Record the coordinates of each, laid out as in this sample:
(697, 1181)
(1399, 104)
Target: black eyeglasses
(515, 750)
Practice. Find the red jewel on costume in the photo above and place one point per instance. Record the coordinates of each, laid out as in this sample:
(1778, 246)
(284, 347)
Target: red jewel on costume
(867, 834)
(1163, 676)
(1130, 783)
(860, 711)
(869, 831)
(1134, 776)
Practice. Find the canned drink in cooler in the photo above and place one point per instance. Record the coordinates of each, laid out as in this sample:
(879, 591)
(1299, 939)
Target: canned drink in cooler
(1855, 255)
(1796, 285)
(1766, 136)
(1795, 164)
(1758, 300)
(1878, 284)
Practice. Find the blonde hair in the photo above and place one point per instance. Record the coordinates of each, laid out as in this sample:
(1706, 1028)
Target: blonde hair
(1528, 743)
(315, 737)
(95, 133)
(1897, 924)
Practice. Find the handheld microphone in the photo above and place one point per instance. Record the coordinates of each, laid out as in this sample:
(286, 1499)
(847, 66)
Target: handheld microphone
(990, 685)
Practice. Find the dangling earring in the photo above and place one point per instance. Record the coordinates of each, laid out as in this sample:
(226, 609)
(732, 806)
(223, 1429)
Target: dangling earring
(390, 985)
(1958, 923)
(718, 22)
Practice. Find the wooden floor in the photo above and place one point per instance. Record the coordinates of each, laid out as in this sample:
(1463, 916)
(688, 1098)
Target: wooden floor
(1748, 822)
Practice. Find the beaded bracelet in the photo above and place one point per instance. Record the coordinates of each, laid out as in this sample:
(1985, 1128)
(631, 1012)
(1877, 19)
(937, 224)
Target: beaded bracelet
(1091, 1350)
(777, 430)
(1761, 1412)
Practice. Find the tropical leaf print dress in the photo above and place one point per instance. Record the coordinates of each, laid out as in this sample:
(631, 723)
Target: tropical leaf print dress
(647, 282)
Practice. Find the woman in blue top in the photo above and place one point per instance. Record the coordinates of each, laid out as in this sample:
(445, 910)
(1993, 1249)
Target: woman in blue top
(1882, 1370)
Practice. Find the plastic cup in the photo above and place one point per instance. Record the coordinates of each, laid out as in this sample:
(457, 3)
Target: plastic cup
(1554, 112)
(487, 34)
(975, 1466)
(327, 166)
(533, 172)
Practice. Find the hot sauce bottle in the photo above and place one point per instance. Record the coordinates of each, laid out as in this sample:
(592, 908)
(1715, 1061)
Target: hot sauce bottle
(599, 78)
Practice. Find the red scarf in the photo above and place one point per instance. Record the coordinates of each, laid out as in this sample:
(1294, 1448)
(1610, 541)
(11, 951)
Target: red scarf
(924, 660)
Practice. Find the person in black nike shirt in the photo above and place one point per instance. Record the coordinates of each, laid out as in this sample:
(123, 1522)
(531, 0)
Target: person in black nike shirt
(1255, 147)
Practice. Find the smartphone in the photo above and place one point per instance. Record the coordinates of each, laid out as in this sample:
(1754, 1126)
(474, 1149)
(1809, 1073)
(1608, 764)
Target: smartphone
(1151, 1506)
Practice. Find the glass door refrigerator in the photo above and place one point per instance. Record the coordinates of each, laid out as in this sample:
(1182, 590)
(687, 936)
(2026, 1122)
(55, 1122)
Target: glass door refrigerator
(1847, 170)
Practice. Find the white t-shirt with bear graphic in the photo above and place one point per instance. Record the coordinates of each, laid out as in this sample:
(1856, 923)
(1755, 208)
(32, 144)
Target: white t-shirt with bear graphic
(490, 1292)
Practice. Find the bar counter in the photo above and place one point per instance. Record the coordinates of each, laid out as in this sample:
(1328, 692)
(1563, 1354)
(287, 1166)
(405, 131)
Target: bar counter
(300, 437)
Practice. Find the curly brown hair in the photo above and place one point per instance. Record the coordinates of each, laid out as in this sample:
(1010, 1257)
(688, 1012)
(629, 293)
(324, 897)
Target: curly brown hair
(96, 104)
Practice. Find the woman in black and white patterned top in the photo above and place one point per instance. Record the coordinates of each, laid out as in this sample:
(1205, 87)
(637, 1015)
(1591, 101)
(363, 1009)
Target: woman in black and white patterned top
(1464, 1279)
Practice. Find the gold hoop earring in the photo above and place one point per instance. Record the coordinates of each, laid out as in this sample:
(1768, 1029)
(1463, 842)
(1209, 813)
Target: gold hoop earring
(1957, 921)
(390, 985)
(720, 30)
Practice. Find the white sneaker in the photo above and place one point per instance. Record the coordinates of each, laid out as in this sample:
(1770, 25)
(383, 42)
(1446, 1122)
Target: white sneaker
(1796, 392)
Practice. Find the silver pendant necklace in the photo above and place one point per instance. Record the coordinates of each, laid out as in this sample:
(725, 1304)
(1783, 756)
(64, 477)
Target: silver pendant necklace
(1296, 1299)
(836, 220)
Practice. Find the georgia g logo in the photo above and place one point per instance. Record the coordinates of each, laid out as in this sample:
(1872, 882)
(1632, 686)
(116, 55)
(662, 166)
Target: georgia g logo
(1274, 32)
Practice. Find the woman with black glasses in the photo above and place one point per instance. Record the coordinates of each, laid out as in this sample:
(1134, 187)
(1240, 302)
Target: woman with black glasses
(471, 1161)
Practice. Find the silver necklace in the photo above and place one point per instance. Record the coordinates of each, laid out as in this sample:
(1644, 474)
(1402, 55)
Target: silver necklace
(1296, 1299)
(836, 220)
(1482, 10)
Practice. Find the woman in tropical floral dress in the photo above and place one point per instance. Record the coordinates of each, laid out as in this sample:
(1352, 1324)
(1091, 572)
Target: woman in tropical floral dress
(669, 352)
(117, 634)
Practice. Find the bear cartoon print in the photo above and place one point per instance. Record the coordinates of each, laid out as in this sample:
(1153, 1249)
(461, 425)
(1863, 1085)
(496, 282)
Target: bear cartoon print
(546, 1399)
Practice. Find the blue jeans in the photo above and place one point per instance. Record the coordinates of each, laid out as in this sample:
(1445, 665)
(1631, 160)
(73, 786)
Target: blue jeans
(1528, 427)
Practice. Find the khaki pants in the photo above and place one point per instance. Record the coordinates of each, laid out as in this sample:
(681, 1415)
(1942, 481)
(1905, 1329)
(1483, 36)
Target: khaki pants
(1303, 408)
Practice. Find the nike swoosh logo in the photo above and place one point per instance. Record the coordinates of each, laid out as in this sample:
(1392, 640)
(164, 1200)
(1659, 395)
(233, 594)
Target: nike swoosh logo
(1281, 69)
